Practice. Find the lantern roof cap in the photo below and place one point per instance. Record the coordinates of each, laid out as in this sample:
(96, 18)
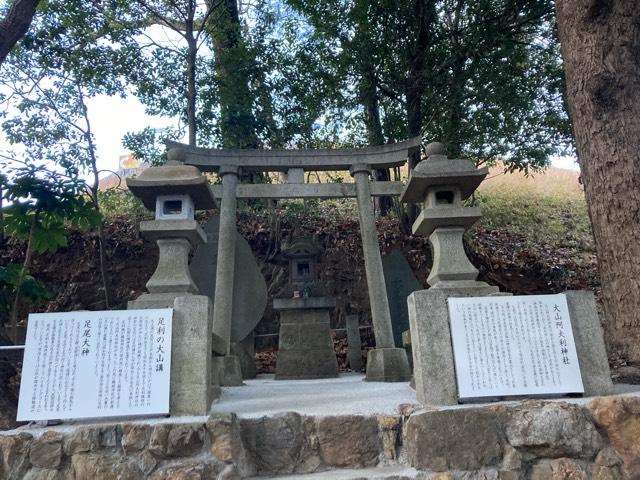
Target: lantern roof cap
(439, 170)
(172, 179)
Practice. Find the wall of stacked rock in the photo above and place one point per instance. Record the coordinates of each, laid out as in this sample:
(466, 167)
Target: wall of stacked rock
(538, 440)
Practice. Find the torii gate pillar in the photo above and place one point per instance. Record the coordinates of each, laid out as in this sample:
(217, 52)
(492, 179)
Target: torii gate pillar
(226, 366)
(385, 363)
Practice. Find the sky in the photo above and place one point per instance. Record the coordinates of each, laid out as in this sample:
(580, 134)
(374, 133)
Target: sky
(111, 118)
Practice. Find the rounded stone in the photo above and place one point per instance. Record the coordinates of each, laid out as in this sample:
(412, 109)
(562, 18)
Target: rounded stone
(135, 437)
(553, 430)
(435, 148)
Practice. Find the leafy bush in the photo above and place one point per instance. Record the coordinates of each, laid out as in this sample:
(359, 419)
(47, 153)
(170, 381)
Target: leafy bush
(121, 203)
(31, 290)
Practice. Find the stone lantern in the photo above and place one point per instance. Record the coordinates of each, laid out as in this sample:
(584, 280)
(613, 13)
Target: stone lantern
(174, 192)
(305, 347)
(441, 185)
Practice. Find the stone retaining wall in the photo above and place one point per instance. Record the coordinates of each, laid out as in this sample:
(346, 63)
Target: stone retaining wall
(527, 440)
(530, 440)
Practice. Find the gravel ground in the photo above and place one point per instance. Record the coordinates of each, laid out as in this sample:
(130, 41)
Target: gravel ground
(345, 395)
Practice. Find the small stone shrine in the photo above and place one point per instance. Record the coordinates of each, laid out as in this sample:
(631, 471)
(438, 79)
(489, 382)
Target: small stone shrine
(441, 185)
(305, 346)
(174, 192)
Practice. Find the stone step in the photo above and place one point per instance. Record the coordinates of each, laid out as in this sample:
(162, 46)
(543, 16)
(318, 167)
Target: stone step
(396, 472)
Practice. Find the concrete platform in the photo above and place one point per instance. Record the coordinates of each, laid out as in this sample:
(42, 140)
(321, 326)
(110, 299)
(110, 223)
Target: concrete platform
(379, 473)
(348, 394)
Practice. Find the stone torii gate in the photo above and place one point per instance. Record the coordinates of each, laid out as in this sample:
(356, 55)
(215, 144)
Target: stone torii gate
(386, 362)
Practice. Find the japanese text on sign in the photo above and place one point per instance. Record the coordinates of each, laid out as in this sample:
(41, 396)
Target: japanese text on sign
(96, 364)
(520, 345)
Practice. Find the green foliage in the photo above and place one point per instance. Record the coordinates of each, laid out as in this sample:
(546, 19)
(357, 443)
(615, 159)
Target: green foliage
(147, 145)
(12, 281)
(560, 219)
(121, 204)
(300, 212)
(40, 203)
(483, 77)
(71, 53)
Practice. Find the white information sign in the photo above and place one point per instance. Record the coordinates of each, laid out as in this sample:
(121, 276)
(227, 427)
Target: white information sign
(96, 364)
(513, 345)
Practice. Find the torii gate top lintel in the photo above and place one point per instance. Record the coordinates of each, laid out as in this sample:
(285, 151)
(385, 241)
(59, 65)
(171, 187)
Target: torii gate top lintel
(256, 160)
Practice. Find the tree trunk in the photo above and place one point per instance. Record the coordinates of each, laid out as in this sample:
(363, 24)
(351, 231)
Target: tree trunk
(233, 66)
(600, 42)
(424, 14)
(369, 101)
(94, 188)
(453, 127)
(26, 264)
(14, 26)
(192, 51)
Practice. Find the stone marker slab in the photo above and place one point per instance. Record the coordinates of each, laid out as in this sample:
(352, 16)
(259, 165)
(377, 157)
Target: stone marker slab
(513, 345)
(246, 352)
(433, 352)
(250, 288)
(400, 282)
(354, 342)
(589, 337)
(191, 370)
(96, 364)
(191, 392)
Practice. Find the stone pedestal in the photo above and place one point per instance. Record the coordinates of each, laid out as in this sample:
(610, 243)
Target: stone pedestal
(227, 371)
(433, 360)
(305, 348)
(191, 392)
(433, 366)
(175, 240)
(171, 286)
(450, 262)
(388, 365)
